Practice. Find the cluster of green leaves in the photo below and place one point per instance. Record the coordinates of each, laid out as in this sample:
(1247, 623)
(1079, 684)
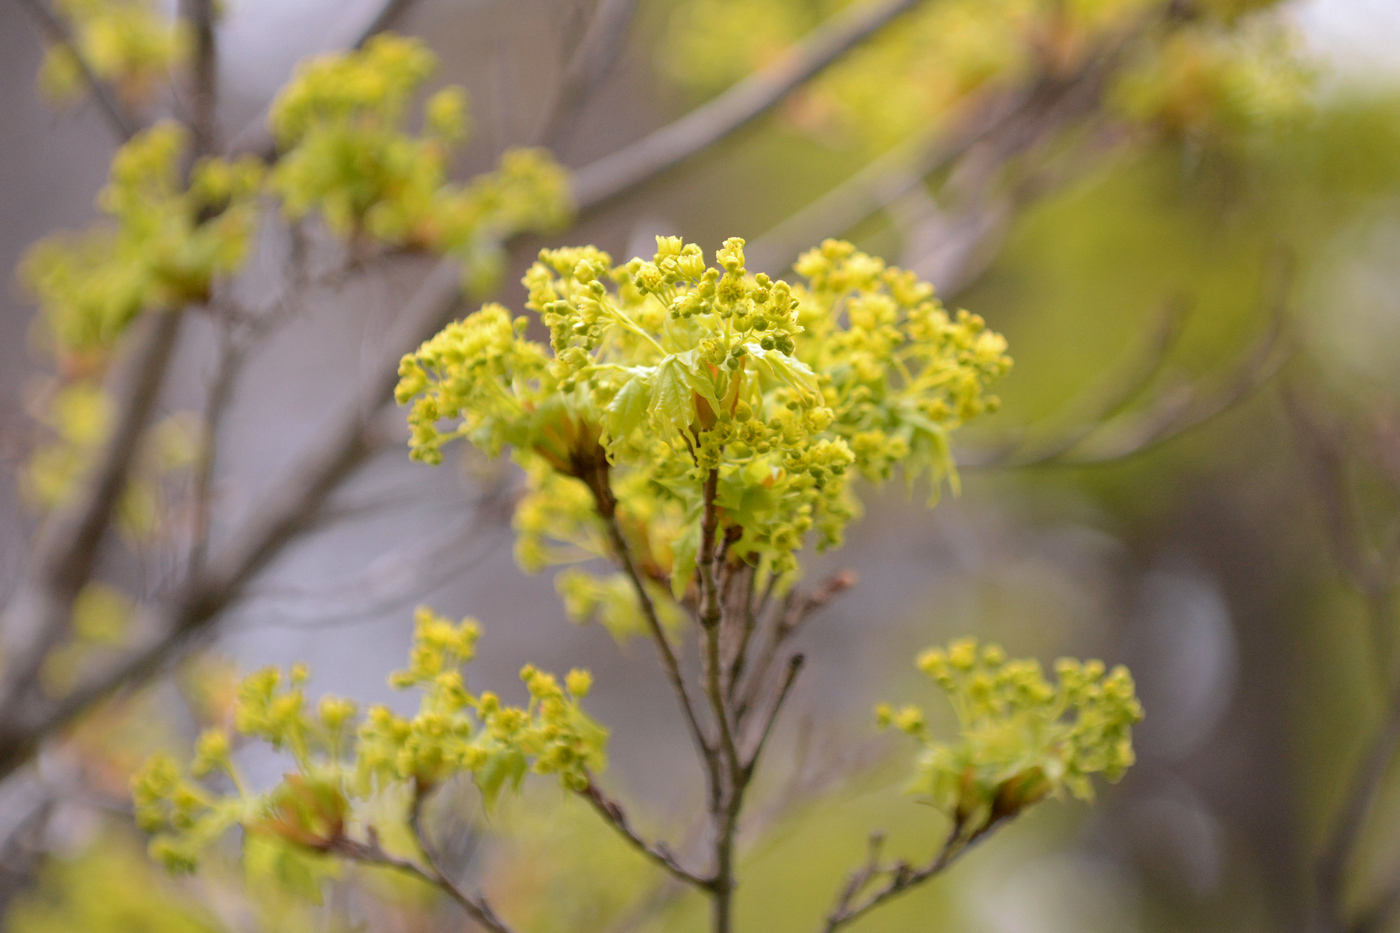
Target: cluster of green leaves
(1021, 738)
(346, 154)
(667, 377)
(130, 44)
(344, 765)
(1212, 79)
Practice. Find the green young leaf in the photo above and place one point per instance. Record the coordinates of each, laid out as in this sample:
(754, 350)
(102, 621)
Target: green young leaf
(684, 552)
(627, 409)
(784, 369)
(508, 766)
(670, 401)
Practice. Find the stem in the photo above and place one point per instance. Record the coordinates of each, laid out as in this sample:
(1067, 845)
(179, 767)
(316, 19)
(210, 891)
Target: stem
(1332, 864)
(204, 75)
(794, 667)
(606, 506)
(658, 852)
(903, 876)
(475, 906)
(626, 169)
(54, 29)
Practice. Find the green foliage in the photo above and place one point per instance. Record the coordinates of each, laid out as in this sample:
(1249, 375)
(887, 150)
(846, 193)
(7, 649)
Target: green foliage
(345, 766)
(1021, 738)
(128, 43)
(664, 376)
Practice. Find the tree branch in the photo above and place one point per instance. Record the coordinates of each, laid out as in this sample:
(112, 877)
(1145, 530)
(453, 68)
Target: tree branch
(69, 542)
(658, 852)
(608, 512)
(54, 29)
(793, 668)
(629, 168)
(597, 53)
(903, 876)
(187, 613)
(204, 75)
(475, 906)
(788, 619)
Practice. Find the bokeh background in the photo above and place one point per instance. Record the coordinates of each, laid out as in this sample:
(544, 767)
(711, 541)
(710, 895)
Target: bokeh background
(1248, 280)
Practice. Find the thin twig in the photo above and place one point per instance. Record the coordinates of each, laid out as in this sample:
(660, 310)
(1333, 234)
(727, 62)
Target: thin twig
(902, 876)
(669, 662)
(123, 124)
(658, 852)
(884, 180)
(204, 75)
(1007, 121)
(475, 906)
(796, 609)
(220, 394)
(1103, 404)
(792, 669)
(63, 557)
(628, 168)
(1322, 455)
(372, 853)
(595, 57)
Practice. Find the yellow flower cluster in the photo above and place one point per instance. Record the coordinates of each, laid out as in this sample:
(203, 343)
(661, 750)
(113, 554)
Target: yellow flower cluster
(665, 375)
(131, 44)
(1021, 737)
(347, 155)
(166, 243)
(341, 763)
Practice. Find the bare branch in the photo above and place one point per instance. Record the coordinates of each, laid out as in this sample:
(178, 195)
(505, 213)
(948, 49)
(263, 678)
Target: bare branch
(372, 853)
(1171, 414)
(387, 18)
(56, 32)
(63, 557)
(475, 906)
(998, 128)
(1331, 866)
(658, 852)
(630, 167)
(850, 906)
(793, 668)
(220, 393)
(787, 620)
(204, 74)
(1323, 457)
(883, 181)
(669, 662)
(1103, 402)
(595, 57)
